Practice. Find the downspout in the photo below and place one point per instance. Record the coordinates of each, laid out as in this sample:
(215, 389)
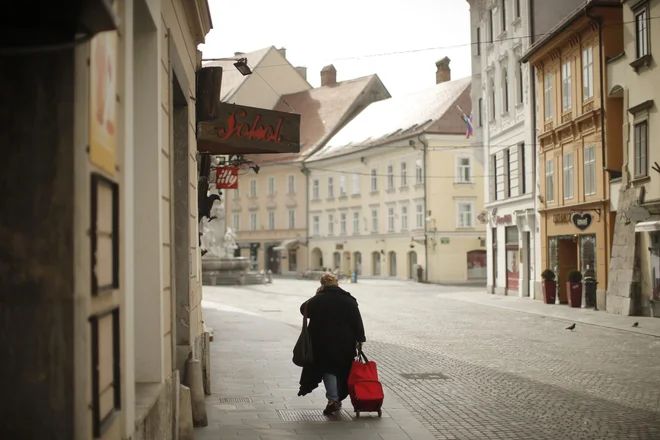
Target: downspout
(305, 171)
(426, 237)
(599, 22)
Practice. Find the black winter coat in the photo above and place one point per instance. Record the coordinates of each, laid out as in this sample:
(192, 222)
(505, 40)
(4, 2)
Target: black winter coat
(335, 326)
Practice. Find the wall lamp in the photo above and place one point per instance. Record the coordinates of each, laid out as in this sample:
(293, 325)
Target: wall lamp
(241, 64)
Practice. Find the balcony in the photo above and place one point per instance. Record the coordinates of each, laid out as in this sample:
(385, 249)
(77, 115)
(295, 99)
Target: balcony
(615, 187)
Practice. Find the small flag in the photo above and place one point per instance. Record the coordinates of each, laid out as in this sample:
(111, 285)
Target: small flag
(469, 131)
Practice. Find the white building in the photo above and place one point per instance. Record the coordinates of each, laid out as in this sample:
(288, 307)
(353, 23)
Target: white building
(504, 126)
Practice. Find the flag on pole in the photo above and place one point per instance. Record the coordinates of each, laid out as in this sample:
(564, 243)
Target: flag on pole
(469, 131)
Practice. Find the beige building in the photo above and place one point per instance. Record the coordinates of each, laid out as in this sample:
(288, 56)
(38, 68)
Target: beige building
(632, 87)
(104, 294)
(399, 187)
(268, 210)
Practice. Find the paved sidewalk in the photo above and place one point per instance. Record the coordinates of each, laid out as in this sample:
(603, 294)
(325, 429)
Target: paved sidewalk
(647, 326)
(255, 388)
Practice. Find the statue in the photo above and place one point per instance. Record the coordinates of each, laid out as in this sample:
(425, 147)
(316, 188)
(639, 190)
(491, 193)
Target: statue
(214, 240)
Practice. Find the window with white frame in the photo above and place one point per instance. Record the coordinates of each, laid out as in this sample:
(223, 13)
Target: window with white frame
(505, 90)
(494, 178)
(419, 172)
(390, 177)
(374, 180)
(566, 86)
(404, 217)
(235, 194)
(253, 221)
(331, 187)
(589, 170)
(641, 149)
(549, 180)
(587, 73)
(356, 223)
(374, 220)
(547, 96)
(271, 186)
(292, 219)
(316, 225)
(501, 184)
(271, 220)
(491, 24)
(518, 11)
(419, 216)
(404, 174)
(522, 169)
(390, 219)
(465, 214)
(513, 172)
(521, 84)
(253, 188)
(642, 32)
(491, 100)
(316, 189)
(463, 169)
(503, 14)
(342, 185)
(331, 224)
(342, 223)
(356, 183)
(569, 176)
(291, 181)
(236, 221)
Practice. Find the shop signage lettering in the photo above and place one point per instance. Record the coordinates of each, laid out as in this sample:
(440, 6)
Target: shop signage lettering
(562, 218)
(582, 220)
(503, 220)
(249, 130)
(226, 177)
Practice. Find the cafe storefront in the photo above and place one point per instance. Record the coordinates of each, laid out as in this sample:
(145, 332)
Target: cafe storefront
(577, 238)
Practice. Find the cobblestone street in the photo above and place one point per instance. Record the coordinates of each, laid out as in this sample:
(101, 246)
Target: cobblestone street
(472, 371)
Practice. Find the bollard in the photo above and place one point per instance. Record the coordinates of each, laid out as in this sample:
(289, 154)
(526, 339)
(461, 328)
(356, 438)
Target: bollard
(195, 382)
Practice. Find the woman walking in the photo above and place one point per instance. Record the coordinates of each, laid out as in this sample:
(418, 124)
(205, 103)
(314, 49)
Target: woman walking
(336, 331)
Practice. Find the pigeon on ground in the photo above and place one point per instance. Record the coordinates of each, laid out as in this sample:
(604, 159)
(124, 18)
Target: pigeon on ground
(571, 327)
(636, 324)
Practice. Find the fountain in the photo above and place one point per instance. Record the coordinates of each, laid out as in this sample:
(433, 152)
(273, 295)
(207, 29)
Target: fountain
(219, 265)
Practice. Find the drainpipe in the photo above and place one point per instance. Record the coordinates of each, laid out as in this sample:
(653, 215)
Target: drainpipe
(599, 22)
(305, 171)
(426, 237)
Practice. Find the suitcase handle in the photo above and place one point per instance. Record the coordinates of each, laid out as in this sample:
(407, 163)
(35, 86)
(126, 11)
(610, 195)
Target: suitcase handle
(361, 356)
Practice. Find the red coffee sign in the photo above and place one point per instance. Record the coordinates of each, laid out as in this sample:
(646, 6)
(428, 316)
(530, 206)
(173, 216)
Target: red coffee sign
(226, 177)
(249, 130)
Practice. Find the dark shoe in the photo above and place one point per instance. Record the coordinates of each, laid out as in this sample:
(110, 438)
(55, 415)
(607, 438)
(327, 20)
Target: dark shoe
(331, 408)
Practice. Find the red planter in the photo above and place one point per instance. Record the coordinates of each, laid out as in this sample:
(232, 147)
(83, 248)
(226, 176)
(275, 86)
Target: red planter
(574, 294)
(549, 291)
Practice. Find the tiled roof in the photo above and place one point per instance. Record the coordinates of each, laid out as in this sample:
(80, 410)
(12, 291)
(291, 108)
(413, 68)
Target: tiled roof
(322, 111)
(232, 79)
(428, 110)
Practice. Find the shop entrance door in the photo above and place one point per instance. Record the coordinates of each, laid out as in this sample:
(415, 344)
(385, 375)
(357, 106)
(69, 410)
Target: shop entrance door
(568, 260)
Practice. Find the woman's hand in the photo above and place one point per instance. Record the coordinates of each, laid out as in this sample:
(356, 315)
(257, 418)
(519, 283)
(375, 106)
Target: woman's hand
(320, 289)
(358, 346)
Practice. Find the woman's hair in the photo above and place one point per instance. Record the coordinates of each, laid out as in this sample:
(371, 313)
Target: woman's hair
(328, 280)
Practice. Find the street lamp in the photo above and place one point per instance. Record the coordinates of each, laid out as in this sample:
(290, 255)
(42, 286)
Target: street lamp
(241, 64)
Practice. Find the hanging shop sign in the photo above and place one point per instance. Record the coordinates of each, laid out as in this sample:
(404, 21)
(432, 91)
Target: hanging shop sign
(249, 130)
(582, 220)
(226, 177)
(504, 219)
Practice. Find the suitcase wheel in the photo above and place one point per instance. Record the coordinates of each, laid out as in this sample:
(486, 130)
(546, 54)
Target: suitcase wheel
(357, 414)
(380, 413)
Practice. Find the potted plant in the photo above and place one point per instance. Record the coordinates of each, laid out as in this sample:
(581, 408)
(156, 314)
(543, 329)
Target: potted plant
(574, 287)
(549, 286)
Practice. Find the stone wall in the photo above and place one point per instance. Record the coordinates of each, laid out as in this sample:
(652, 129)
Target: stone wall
(159, 421)
(621, 297)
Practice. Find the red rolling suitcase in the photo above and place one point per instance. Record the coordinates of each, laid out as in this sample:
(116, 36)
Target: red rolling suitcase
(365, 390)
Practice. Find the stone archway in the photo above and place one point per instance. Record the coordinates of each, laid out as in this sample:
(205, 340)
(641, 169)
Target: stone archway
(412, 262)
(316, 261)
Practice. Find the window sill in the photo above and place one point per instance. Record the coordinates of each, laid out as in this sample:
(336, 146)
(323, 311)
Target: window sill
(502, 35)
(419, 185)
(643, 61)
(517, 21)
(404, 188)
(643, 178)
(464, 183)
(330, 199)
(316, 200)
(464, 228)
(343, 196)
(272, 195)
(390, 190)
(505, 114)
(374, 193)
(291, 194)
(520, 105)
(355, 196)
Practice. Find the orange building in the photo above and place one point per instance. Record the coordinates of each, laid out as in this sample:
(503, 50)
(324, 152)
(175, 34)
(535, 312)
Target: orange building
(577, 153)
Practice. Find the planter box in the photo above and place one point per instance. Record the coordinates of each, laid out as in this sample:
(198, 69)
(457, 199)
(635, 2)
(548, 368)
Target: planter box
(549, 291)
(574, 294)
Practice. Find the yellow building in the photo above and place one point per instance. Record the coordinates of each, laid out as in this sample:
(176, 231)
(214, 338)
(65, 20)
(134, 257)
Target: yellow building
(399, 188)
(268, 211)
(578, 151)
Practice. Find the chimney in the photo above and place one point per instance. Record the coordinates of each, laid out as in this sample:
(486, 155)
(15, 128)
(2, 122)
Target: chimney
(328, 76)
(302, 71)
(239, 54)
(443, 74)
(282, 51)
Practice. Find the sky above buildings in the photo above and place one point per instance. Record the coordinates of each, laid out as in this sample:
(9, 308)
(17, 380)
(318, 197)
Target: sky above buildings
(347, 33)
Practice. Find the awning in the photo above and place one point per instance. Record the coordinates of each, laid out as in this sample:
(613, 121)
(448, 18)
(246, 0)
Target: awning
(651, 226)
(285, 244)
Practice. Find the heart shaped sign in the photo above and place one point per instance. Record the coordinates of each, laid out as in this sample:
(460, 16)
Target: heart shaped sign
(582, 220)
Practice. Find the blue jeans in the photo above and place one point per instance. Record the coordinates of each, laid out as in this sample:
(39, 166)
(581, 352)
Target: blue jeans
(331, 387)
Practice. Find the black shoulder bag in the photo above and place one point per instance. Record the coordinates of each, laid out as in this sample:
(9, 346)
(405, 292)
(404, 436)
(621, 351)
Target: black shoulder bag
(302, 352)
